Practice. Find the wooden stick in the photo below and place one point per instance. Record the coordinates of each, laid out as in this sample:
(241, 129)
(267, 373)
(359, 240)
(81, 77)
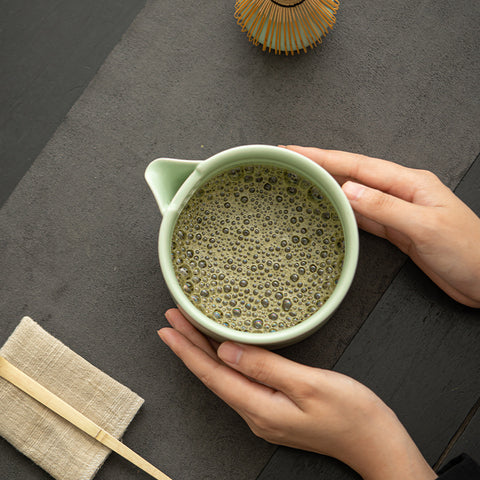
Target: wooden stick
(27, 384)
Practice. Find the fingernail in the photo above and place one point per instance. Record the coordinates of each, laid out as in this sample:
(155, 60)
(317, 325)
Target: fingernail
(353, 190)
(230, 352)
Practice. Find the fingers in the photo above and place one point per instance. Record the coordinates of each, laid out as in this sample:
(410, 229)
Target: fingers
(380, 174)
(208, 369)
(401, 240)
(371, 226)
(242, 394)
(181, 324)
(268, 368)
(382, 209)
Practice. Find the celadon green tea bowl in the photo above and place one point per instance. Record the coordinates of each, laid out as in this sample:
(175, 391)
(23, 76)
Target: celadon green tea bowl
(243, 248)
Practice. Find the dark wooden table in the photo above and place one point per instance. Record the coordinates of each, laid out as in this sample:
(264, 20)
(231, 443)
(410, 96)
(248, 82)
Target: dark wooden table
(85, 109)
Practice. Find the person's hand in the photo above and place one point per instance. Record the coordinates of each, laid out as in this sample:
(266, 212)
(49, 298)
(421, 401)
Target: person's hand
(302, 407)
(416, 212)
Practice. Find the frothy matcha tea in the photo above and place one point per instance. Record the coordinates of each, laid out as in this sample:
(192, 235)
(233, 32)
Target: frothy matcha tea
(258, 248)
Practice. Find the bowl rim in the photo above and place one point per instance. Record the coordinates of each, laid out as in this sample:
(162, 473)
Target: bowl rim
(261, 155)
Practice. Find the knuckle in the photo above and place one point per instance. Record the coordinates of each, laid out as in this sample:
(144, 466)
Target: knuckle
(429, 176)
(306, 389)
(265, 428)
(380, 201)
(429, 179)
(208, 377)
(261, 371)
(260, 423)
(357, 165)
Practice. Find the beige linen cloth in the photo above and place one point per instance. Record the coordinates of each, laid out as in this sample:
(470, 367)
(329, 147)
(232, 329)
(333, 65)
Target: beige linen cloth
(61, 449)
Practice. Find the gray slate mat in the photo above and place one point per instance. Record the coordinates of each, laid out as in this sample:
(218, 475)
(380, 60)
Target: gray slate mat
(78, 235)
(49, 52)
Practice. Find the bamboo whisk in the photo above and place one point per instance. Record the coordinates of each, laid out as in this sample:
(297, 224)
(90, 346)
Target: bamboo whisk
(286, 25)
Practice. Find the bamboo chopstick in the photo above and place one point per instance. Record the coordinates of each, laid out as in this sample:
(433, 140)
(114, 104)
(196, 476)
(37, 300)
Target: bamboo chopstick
(15, 376)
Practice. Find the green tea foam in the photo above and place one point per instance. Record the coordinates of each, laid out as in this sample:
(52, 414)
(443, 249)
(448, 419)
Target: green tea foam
(258, 248)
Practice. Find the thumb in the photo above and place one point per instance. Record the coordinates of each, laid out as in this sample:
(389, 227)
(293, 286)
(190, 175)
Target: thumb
(263, 366)
(381, 207)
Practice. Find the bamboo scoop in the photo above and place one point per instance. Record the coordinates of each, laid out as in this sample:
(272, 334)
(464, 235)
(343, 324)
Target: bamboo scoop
(66, 411)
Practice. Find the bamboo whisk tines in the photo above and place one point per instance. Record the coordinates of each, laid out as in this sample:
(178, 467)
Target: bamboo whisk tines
(286, 26)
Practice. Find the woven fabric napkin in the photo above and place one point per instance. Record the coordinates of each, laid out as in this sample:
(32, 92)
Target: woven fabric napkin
(61, 449)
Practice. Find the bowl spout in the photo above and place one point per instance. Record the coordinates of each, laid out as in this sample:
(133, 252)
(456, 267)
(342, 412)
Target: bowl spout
(165, 176)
